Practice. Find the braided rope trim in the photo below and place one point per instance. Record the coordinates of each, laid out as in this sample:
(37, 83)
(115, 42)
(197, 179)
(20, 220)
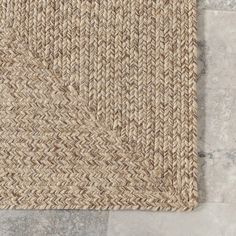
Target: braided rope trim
(98, 104)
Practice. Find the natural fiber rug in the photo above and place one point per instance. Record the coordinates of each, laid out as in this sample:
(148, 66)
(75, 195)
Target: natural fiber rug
(98, 104)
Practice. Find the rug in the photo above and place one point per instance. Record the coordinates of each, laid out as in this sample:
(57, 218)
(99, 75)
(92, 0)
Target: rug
(98, 104)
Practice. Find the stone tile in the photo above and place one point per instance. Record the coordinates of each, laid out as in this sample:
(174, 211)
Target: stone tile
(217, 49)
(217, 110)
(217, 80)
(217, 4)
(216, 122)
(208, 220)
(52, 223)
(217, 178)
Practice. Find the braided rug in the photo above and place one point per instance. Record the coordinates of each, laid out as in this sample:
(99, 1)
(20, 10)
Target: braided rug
(98, 104)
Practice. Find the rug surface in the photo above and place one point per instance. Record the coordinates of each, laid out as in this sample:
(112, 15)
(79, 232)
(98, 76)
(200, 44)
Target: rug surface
(98, 104)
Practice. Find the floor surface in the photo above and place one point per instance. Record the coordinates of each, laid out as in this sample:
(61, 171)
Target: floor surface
(216, 215)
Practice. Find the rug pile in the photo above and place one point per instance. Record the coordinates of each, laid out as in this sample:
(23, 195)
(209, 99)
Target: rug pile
(98, 104)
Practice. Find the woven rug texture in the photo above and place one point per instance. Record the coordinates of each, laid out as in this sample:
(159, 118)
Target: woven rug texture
(98, 104)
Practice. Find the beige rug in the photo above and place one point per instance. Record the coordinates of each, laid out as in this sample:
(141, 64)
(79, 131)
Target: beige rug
(98, 104)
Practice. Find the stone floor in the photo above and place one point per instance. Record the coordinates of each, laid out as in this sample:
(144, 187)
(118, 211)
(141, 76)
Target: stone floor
(216, 215)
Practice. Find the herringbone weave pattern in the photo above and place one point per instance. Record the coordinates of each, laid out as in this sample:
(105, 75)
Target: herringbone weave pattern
(98, 104)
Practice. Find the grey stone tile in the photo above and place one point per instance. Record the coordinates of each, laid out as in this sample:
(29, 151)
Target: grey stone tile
(217, 49)
(216, 122)
(217, 4)
(209, 219)
(217, 110)
(53, 223)
(217, 179)
(217, 82)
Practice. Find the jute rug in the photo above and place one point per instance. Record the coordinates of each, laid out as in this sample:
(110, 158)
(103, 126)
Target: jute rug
(98, 104)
